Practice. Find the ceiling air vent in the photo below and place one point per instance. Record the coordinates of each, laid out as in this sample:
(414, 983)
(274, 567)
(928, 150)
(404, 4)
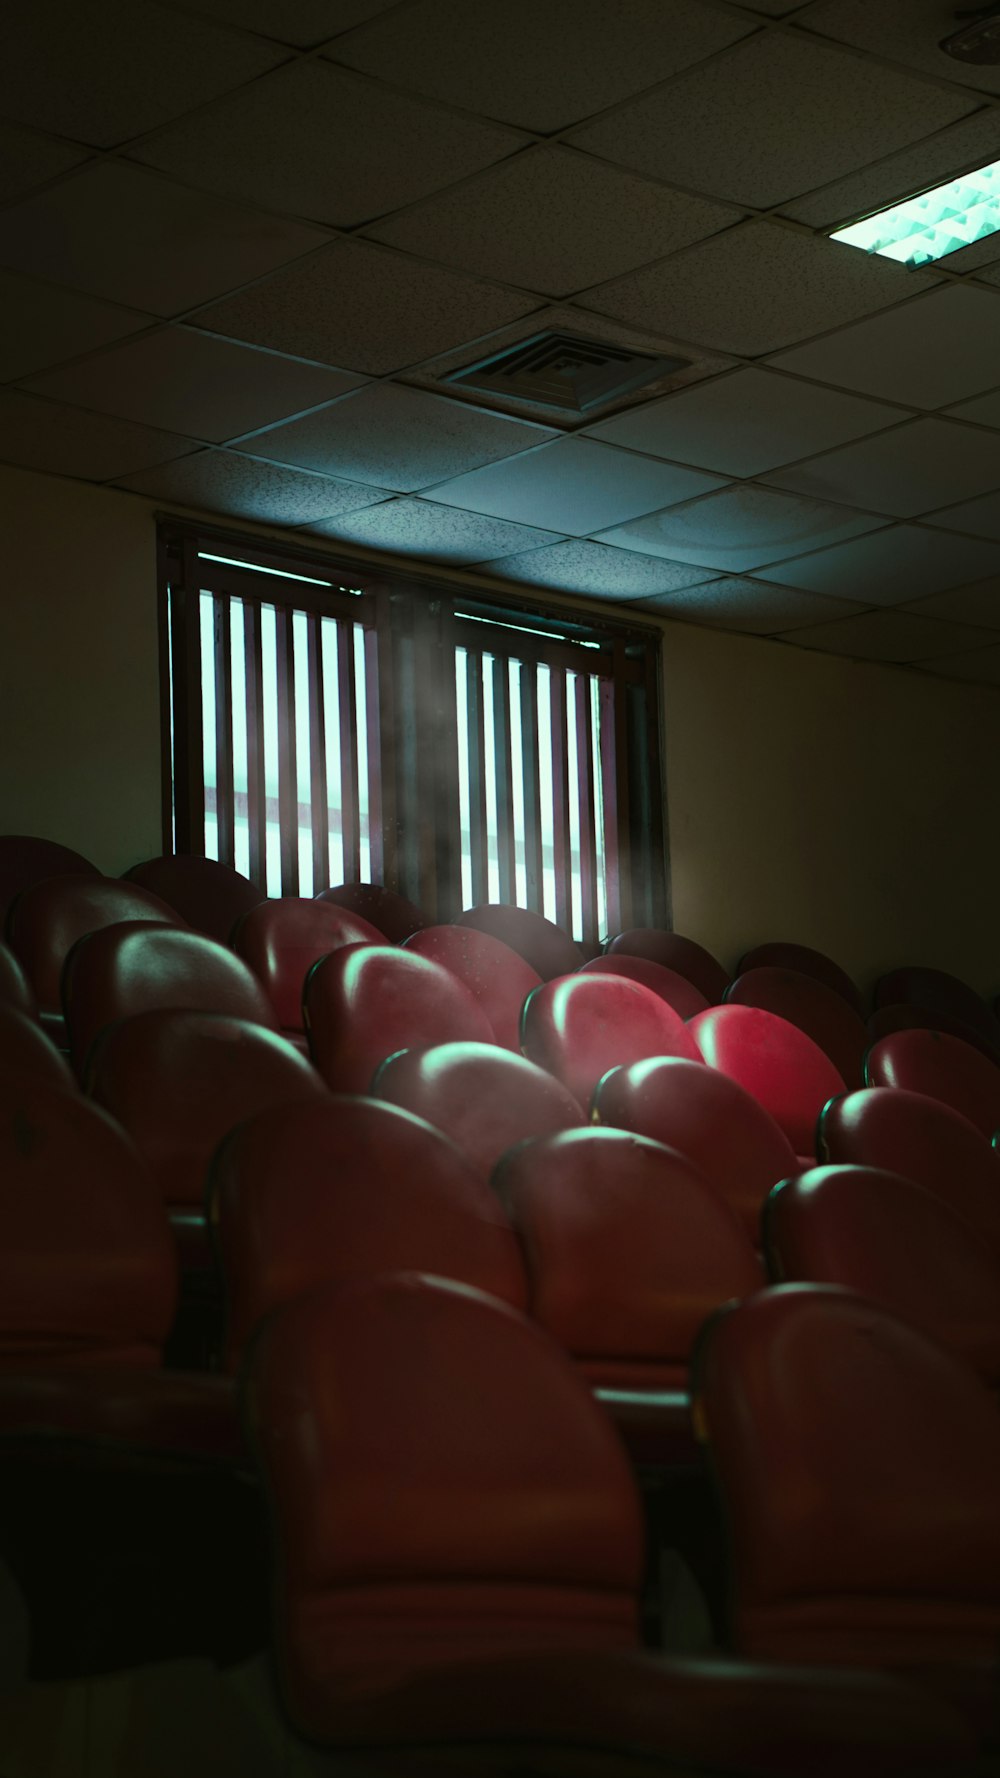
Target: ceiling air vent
(564, 370)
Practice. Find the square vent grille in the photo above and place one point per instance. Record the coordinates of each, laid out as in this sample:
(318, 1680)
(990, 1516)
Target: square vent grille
(564, 370)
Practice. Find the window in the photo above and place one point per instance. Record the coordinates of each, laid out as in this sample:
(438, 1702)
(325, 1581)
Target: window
(326, 725)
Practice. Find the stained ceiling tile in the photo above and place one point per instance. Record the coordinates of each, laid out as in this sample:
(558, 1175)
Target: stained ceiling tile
(913, 469)
(320, 142)
(902, 356)
(304, 23)
(739, 528)
(906, 31)
(979, 518)
(188, 381)
(891, 567)
(983, 411)
(27, 159)
(735, 603)
(982, 665)
(888, 636)
(744, 423)
(498, 56)
(132, 237)
(219, 482)
(553, 221)
(366, 308)
(41, 325)
(106, 80)
(434, 533)
(976, 604)
(753, 289)
(575, 485)
(774, 117)
(60, 440)
(972, 142)
(579, 566)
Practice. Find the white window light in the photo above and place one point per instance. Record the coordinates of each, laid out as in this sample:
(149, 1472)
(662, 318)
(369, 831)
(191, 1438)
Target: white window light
(932, 223)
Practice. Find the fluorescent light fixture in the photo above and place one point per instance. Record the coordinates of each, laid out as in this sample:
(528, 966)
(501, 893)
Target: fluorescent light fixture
(933, 223)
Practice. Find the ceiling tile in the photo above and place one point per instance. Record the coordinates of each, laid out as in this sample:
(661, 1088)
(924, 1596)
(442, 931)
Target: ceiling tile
(980, 518)
(982, 665)
(187, 381)
(27, 159)
(104, 80)
(754, 289)
(501, 54)
(366, 308)
(891, 567)
(579, 566)
(434, 533)
(129, 236)
(301, 22)
(739, 528)
(772, 118)
(735, 603)
(983, 411)
(41, 325)
(396, 438)
(906, 31)
(575, 485)
(744, 423)
(888, 636)
(60, 440)
(323, 143)
(902, 356)
(964, 145)
(991, 273)
(976, 604)
(553, 221)
(913, 469)
(244, 489)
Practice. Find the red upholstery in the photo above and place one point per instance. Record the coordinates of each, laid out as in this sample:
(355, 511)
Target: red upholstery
(281, 940)
(480, 1095)
(209, 896)
(347, 1188)
(390, 914)
(124, 1411)
(903, 1017)
(674, 952)
(923, 1140)
(581, 1025)
(944, 1068)
(709, 1118)
(46, 920)
(15, 989)
(938, 992)
(895, 1243)
(675, 989)
(819, 1011)
(27, 1055)
(776, 1062)
(549, 950)
(808, 962)
(87, 1268)
(25, 860)
(133, 968)
(495, 975)
(179, 1081)
(364, 1002)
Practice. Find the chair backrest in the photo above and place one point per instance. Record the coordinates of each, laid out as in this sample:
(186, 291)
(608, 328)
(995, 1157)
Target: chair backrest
(896, 1244)
(817, 964)
(135, 968)
(776, 1062)
(483, 1097)
(549, 950)
(938, 991)
(675, 989)
(922, 1139)
(579, 1026)
(281, 940)
(495, 975)
(27, 1055)
(178, 1082)
(15, 989)
(628, 1249)
(24, 859)
(902, 1016)
(819, 1011)
(859, 1466)
(365, 1002)
(944, 1068)
(437, 1471)
(675, 952)
(711, 1119)
(392, 915)
(208, 895)
(87, 1266)
(346, 1188)
(45, 921)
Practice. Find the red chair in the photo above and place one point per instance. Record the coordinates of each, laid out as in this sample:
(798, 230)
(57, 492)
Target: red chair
(581, 1025)
(675, 989)
(776, 1062)
(346, 1188)
(938, 992)
(496, 1610)
(481, 1096)
(923, 1140)
(281, 940)
(364, 1002)
(674, 952)
(903, 1017)
(392, 915)
(135, 968)
(27, 1055)
(707, 1117)
(944, 1068)
(15, 989)
(807, 962)
(25, 860)
(549, 950)
(896, 1244)
(210, 897)
(819, 1011)
(495, 975)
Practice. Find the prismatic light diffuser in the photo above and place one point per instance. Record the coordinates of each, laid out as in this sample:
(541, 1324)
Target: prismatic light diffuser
(932, 223)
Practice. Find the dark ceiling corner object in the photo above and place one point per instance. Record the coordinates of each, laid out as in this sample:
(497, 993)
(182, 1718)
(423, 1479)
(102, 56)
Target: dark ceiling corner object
(564, 370)
(979, 40)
